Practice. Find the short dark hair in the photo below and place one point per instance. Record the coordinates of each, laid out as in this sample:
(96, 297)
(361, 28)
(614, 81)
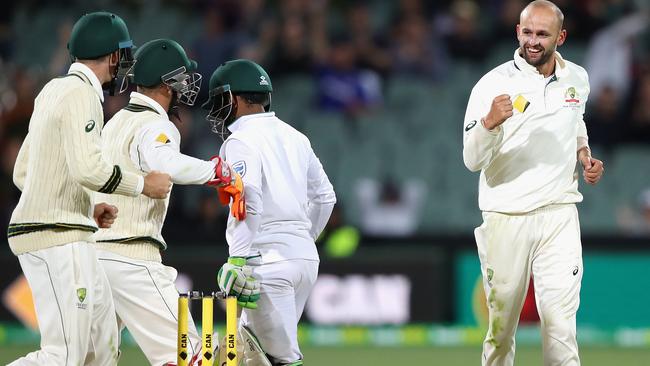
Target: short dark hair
(149, 88)
(98, 58)
(255, 98)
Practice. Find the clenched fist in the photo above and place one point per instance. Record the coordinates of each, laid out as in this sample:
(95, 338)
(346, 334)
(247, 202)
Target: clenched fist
(157, 185)
(500, 110)
(592, 168)
(104, 215)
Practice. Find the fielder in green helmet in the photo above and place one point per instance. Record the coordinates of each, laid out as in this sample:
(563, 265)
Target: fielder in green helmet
(289, 199)
(99, 37)
(142, 138)
(164, 63)
(58, 168)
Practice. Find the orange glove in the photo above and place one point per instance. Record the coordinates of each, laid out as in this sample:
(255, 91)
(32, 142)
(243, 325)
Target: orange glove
(229, 185)
(234, 190)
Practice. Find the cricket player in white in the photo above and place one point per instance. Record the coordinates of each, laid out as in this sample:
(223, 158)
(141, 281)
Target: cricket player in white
(58, 166)
(141, 138)
(288, 201)
(524, 131)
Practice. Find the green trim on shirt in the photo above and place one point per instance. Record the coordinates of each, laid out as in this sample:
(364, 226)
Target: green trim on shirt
(30, 227)
(75, 75)
(129, 239)
(113, 182)
(131, 107)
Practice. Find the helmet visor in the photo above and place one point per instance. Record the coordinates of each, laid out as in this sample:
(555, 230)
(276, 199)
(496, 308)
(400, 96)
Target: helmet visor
(187, 85)
(125, 64)
(220, 110)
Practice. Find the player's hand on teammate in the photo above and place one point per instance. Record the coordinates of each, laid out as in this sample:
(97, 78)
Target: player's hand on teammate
(105, 215)
(235, 279)
(230, 187)
(157, 185)
(592, 168)
(500, 111)
(222, 173)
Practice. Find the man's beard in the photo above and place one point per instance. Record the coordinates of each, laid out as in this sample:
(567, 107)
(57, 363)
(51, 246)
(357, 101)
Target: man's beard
(540, 59)
(174, 112)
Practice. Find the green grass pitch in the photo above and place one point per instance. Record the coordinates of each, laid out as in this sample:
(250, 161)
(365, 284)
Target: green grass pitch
(392, 356)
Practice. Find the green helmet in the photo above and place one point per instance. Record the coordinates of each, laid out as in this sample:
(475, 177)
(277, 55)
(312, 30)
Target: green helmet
(232, 78)
(99, 34)
(165, 61)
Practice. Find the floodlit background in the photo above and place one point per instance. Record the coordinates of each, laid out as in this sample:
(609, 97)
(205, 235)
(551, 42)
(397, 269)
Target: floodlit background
(380, 88)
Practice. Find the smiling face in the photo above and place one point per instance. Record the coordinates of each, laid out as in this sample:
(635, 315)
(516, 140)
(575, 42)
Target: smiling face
(539, 33)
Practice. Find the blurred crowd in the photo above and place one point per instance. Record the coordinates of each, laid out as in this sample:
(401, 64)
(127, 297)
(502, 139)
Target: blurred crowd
(350, 49)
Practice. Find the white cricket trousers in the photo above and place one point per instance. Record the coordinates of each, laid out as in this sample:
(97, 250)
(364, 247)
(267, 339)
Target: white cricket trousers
(146, 302)
(74, 308)
(544, 243)
(284, 289)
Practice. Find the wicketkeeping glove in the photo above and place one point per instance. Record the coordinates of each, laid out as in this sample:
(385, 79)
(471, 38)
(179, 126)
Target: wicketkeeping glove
(229, 186)
(222, 173)
(234, 191)
(235, 279)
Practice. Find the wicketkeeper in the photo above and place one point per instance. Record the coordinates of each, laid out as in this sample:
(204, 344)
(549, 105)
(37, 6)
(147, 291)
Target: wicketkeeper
(288, 202)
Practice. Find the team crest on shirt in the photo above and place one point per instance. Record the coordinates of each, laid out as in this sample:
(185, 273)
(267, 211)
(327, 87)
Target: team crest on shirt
(571, 97)
(81, 296)
(239, 167)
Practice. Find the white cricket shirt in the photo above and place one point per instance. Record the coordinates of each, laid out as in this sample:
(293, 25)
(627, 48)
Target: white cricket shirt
(530, 160)
(288, 195)
(141, 138)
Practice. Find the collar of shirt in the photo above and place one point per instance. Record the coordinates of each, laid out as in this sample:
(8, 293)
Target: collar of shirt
(242, 121)
(141, 99)
(90, 75)
(561, 68)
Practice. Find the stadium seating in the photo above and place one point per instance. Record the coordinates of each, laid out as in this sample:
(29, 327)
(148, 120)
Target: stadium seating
(417, 132)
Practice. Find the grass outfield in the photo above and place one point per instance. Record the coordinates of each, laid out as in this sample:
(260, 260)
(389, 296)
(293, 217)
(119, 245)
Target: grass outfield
(452, 356)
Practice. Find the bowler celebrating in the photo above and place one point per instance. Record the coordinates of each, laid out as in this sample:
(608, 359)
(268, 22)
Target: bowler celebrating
(524, 131)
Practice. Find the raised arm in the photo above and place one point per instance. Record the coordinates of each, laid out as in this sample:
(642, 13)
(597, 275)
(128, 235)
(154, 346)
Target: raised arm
(482, 131)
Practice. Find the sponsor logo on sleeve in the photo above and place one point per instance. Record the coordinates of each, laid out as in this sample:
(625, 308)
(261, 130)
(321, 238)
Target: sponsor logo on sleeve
(239, 167)
(163, 139)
